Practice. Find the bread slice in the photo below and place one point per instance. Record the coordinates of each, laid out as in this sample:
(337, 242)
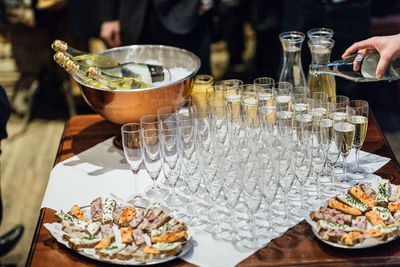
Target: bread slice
(174, 237)
(96, 210)
(127, 253)
(368, 190)
(126, 235)
(111, 251)
(83, 242)
(361, 196)
(78, 213)
(374, 218)
(393, 207)
(169, 248)
(104, 242)
(334, 204)
(127, 216)
(352, 238)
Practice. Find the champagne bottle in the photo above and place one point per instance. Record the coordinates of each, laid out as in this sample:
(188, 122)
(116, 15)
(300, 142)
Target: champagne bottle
(114, 82)
(80, 73)
(86, 59)
(148, 73)
(366, 71)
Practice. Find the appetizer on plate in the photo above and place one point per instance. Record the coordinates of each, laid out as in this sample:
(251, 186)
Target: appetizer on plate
(362, 213)
(113, 231)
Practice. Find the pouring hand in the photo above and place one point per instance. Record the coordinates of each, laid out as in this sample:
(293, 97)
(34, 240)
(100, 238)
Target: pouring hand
(387, 46)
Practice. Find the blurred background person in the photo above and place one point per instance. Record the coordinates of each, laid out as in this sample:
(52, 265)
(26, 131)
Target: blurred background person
(183, 23)
(11, 238)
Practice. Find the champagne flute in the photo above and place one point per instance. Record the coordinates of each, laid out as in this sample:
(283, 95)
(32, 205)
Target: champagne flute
(202, 82)
(252, 198)
(131, 143)
(300, 92)
(264, 83)
(152, 122)
(283, 97)
(232, 189)
(302, 162)
(269, 187)
(360, 121)
(191, 170)
(318, 159)
(168, 120)
(172, 160)
(344, 138)
(152, 158)
(339, 101)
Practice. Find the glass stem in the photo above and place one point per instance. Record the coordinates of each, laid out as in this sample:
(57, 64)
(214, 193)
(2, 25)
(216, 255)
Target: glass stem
(286, 201)
(357, 169)
(318, 185)
(135, 172)
(332, 175)
(344, 164)
(155, 200)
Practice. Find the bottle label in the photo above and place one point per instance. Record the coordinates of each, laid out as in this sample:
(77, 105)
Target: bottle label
(156, 73)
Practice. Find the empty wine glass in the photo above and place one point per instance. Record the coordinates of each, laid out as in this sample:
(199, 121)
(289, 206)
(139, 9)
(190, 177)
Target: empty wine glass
(269, 187)
(172, 159)
(302, 161)
(339, 101)
(152, 158)
(153, 122)
(191, 170)
(131, 143)
(232, 188)
(264, 83)
(300, 92)
(210, 165)
(360, 121)
(252, 198)
(318, 159)
(168, 120)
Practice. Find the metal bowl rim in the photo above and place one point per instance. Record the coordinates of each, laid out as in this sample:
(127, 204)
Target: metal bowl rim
(149, 88)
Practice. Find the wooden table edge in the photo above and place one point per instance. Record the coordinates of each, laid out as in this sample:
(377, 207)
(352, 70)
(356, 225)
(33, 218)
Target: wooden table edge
(57, 160)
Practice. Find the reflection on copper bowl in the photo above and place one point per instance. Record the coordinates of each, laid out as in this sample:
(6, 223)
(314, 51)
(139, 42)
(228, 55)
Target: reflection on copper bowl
(124, 106)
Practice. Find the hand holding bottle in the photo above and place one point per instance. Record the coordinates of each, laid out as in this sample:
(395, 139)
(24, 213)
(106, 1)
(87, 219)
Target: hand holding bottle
(387, 46)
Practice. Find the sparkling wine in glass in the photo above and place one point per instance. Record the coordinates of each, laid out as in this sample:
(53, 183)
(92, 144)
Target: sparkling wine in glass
(344, 137)
(360, 122)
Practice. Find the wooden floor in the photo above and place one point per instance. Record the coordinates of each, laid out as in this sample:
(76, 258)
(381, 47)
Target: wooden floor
(26, 164)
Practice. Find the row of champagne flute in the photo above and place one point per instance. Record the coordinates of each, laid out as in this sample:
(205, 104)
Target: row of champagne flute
(238, 144)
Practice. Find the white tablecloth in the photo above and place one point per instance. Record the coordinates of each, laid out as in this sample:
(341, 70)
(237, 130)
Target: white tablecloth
(102, 169)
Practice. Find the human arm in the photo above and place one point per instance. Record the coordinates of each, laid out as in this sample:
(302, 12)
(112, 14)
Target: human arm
(110, 26)
(110, 33)
(388, 48)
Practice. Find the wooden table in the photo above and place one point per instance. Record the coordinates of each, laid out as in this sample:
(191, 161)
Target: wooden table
(297, 246)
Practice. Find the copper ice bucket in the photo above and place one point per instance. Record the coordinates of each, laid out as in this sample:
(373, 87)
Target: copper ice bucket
(123, 106)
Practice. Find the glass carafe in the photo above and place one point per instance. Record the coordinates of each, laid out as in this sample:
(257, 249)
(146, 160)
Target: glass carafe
(292, 70)
(321, 53)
